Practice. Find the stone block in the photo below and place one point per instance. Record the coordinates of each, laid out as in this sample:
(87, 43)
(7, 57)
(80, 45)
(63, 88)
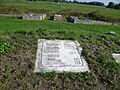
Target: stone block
(59, 56)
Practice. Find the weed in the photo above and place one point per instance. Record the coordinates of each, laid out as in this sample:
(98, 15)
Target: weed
(96, 50)
(5, 47)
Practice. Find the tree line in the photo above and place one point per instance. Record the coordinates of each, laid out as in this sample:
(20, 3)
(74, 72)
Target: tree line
(110, 4)
(93, 3)
(114, 6)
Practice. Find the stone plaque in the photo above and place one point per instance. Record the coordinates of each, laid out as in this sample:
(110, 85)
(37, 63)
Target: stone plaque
(116, 57)
(59, 56)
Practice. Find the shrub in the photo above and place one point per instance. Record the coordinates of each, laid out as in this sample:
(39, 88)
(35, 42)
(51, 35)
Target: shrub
(39, 11)
(13, 9)
(96, 16)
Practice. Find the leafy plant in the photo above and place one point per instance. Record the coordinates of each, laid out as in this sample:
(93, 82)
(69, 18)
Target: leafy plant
(5, 47)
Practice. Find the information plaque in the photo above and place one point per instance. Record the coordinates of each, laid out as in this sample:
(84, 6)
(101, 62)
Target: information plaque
(59, 56)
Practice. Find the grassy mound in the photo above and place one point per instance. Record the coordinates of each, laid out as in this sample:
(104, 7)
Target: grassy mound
(17, 66)
(18, 47)
(92, 12)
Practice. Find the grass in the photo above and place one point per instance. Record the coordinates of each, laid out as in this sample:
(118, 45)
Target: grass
(17, 66)
(18, 46)
(10, 25)
(39, 6)
(62, 6)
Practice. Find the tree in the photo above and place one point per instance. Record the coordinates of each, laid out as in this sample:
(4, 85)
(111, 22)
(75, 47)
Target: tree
(96, 3)
(93, 3)
(118, 6)
(75, 1)
(111, 5)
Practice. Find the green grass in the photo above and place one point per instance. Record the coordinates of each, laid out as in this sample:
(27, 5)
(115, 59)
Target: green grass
(18, 46)
(63, 6)
(17, 66)
(10, 25)
(57, 8)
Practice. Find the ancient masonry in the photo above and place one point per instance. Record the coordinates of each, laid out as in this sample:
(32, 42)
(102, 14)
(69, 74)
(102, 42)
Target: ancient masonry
(74, 19)
(10, 15)
(34, 16)
(57, 17)
(116, 57)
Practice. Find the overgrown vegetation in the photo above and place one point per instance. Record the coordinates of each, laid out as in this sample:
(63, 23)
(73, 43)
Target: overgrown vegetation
(13, 9)
(17, 66)
(18, 46)
(21, 7)
(5, 47)
(97, 16)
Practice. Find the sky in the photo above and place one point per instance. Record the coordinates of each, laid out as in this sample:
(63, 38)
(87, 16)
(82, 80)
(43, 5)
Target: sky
(104, 1)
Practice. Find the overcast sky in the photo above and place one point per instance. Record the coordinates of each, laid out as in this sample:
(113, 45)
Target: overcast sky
(104, 1)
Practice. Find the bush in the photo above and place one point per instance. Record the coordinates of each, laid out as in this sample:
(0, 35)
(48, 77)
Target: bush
(39, 11)
(96, 16)
(13, 9)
